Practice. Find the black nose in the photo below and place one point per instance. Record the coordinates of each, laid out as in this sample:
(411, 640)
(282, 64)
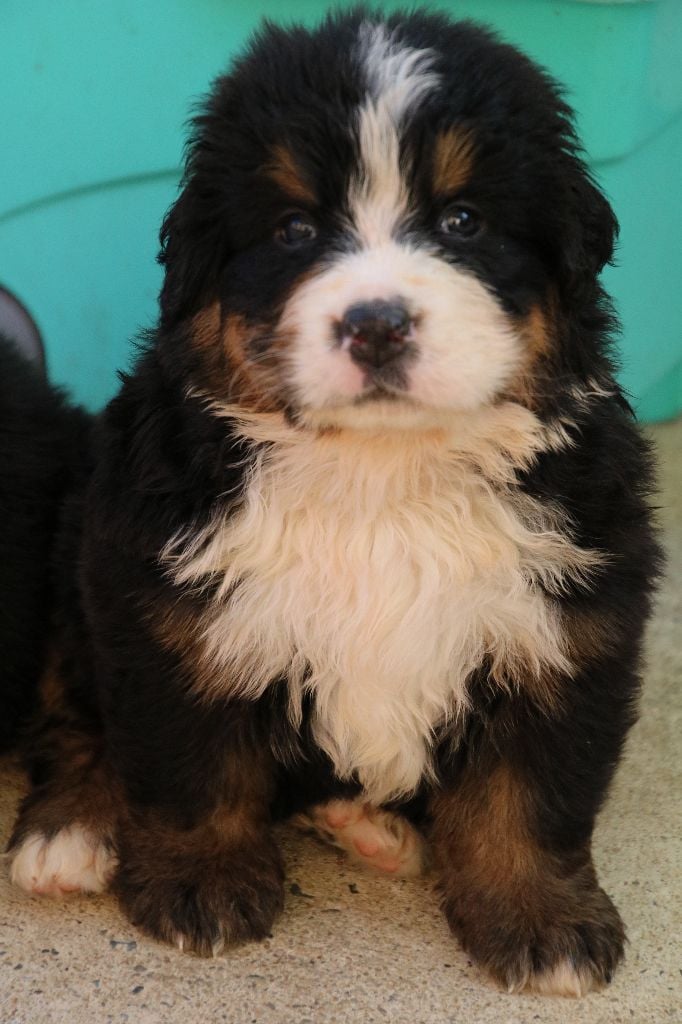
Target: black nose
(377, 331)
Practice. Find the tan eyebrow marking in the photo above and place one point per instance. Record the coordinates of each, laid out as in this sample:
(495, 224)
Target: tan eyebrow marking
(285, 172)
(453, 159)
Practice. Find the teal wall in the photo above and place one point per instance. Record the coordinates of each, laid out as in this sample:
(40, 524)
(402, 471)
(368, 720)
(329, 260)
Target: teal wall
(94, 96)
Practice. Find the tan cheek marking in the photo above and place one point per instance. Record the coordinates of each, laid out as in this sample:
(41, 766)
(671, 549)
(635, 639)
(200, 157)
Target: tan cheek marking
(452, 161)
(536, 333)
(228, 372)
(536, 329)
(206, 327)
(235, 338)
(285, 172)
(206, 340)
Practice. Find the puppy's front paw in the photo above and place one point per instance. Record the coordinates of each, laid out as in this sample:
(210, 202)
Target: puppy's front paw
(199, 904)
(567, 959)
(570, 952)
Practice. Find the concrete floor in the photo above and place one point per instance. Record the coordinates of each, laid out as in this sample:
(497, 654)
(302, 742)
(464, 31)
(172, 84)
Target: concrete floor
(353, 949)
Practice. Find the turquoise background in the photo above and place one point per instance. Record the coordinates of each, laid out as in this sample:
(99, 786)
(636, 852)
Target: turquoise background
(93, 102)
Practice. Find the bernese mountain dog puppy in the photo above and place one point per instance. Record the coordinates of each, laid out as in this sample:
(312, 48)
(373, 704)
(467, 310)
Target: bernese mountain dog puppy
(366, 538)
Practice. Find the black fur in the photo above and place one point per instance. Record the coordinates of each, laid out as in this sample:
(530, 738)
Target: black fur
(43, 450)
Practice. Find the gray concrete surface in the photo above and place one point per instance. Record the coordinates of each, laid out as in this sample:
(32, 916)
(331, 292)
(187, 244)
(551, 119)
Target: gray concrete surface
(353, 949)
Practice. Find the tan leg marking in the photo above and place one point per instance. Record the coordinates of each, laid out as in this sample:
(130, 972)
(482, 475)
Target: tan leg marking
(536, 921)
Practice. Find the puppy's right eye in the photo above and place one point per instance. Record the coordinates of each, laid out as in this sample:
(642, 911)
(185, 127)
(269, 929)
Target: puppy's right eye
(461, 222)
(296, 230)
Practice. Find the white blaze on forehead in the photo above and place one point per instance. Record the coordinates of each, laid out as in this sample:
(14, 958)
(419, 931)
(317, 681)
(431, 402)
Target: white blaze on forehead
(398, 77)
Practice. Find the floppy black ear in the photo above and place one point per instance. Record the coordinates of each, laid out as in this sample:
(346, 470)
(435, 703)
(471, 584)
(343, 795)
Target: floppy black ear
(590, 230)
(193, 248)
(182, 265)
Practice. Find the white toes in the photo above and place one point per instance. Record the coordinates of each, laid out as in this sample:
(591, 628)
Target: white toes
(378, 839)
(564, 979)
(73, 860)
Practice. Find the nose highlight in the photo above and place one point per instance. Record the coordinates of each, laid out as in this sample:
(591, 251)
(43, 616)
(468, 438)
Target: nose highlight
(377, 331)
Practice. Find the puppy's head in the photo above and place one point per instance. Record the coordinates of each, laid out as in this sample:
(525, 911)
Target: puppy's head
(383, 222)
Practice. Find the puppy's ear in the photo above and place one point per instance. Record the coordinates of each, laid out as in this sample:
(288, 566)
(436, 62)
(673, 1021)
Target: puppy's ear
(191, 254)
(590, 230)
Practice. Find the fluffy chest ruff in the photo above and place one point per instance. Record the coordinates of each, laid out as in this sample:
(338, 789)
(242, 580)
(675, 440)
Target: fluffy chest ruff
(377, 573)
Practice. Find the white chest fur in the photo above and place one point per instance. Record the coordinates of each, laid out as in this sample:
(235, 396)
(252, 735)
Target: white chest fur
(377, 573)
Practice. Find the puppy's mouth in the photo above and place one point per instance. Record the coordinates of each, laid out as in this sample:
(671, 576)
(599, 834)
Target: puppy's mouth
(439, 344)
(383, 385)
(379, 394)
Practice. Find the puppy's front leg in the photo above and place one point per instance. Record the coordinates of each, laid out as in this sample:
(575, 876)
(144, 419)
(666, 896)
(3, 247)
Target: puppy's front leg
(198, 865)
(511, 833)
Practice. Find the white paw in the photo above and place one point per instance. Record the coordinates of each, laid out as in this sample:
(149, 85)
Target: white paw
(378, 839)
(564, 979)
(71, 861)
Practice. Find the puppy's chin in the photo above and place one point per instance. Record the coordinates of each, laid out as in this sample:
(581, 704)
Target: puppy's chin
(379, 414)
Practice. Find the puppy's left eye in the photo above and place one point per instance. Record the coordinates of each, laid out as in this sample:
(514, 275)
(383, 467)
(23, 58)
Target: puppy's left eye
(296, 230)
(461, 222)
